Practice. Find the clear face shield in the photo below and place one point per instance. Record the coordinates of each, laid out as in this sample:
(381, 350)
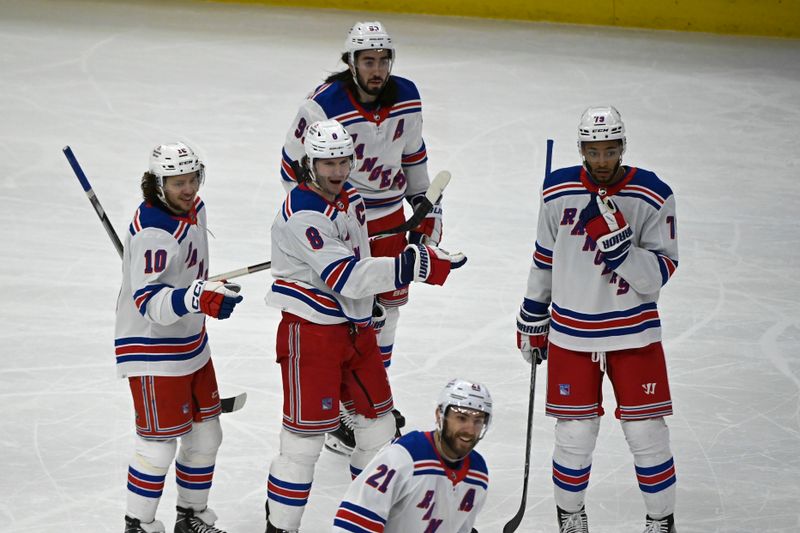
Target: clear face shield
(601, 160)
(313, 172)
(371, 69)
(201, 177)
(478, 419)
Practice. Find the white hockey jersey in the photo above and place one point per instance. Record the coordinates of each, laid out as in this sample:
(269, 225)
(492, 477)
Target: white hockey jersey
(163, 254)
(408, 488)
(321, 259)
(594, 308)
(391, 159)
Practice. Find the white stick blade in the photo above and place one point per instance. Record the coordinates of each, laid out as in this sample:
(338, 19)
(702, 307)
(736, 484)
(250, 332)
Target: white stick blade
(438, 185)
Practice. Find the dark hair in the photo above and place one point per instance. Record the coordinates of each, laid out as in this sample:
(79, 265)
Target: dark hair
(387, 97)
(150, 190)
(302, 173)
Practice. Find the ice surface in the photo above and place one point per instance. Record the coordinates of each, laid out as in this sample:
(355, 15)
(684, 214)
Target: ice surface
(715, 116)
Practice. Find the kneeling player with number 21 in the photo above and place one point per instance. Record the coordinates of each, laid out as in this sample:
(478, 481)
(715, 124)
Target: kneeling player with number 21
(426, 480)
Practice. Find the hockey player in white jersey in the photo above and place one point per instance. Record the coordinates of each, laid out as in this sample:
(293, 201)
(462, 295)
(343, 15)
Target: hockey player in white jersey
(606, 243)
(383, 113)
(426, 481)
(162, 345)
(325, 282)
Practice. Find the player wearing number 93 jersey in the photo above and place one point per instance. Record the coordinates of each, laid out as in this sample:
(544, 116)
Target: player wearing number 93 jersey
(431, 481)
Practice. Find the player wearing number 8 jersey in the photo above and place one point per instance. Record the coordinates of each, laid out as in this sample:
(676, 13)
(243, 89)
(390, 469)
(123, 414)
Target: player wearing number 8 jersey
(426, 480)
(606, 243)
(325, 282)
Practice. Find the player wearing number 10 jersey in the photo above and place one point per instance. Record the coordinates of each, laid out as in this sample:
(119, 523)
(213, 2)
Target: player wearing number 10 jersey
(430, 481)
(162, 346)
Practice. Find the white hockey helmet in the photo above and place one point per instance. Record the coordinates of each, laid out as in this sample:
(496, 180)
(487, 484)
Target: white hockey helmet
(367, 36)
(602, 123)
(174, 159)
(326, 139)
(467, 395)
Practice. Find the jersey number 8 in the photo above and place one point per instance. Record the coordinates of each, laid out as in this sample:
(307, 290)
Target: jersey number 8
(314, 238)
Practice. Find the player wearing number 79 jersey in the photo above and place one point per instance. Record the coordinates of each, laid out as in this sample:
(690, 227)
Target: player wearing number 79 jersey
(430, 481)
(606, 243)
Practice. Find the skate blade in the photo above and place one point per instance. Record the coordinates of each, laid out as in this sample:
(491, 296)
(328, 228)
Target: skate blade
(339, 449)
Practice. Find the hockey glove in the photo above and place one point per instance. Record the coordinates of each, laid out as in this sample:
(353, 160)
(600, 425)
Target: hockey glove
(213, 298)
(428, 264)
(378, 316)
(532, 333)
(606, 226)
(430, 229)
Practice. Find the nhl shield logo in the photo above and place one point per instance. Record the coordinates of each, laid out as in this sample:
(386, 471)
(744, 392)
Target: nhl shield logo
(563, 389)
(327, 404)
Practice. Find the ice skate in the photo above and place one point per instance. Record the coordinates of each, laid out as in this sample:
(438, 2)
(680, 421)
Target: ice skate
(191, 521)
(662, 525)
(572, 522)
(342, 440)
(134, 525)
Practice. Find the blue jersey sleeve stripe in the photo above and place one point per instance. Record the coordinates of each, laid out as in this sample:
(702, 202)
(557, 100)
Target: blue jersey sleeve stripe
(532, 307)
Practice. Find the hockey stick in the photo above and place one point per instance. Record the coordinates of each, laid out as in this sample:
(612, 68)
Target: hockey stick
(229, 405)
(513, 524)
(87, 188)
(242, 271)
(432, 195)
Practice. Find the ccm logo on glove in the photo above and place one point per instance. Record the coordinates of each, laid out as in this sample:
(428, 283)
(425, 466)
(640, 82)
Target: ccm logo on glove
(213, 298)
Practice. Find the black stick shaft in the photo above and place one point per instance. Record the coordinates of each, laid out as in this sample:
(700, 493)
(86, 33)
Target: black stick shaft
(515, 521)
(98, 207)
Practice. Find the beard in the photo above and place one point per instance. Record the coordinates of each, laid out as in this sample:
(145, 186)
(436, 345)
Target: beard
(372, 91)
(458, 447)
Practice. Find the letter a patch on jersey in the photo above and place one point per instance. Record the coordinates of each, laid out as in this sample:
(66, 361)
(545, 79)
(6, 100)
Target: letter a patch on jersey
(468, 502)
(398, 132)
